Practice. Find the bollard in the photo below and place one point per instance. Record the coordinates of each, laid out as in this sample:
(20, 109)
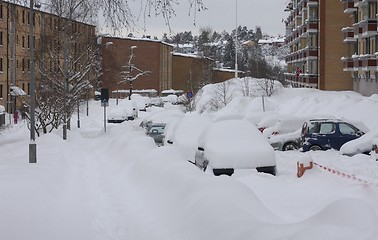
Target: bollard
(301, 168)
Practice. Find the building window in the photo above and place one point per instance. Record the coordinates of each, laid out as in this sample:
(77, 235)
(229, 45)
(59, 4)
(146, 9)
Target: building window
(1, 90)
(1, 38)
(23, 41)
(29, 65)
(23, 16)
(1, 11)
(1, 64)
(23, 65)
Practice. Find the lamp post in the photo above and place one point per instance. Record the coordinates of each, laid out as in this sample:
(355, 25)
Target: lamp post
(236, 39)
(32, 144)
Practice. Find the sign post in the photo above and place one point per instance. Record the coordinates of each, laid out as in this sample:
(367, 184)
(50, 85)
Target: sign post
(104, 102)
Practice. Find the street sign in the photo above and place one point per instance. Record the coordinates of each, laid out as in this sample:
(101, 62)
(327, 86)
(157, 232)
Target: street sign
(189, 94)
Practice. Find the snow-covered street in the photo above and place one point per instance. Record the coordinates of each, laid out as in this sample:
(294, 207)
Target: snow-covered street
(120, 185)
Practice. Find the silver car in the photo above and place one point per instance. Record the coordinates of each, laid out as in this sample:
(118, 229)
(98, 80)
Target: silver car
(156, 131)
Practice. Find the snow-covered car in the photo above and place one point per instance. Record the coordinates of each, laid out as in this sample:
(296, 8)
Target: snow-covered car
(286, 141)
(324, 134)
(268, 121)
(185, 133)
(234, 144)
(156, 101)
(123, 112)
(119, 115)
(285, 124)
(286, 133)
(362, 144)
(156, 131)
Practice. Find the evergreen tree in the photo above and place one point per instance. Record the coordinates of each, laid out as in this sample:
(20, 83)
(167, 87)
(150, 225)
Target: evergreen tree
(229, 53)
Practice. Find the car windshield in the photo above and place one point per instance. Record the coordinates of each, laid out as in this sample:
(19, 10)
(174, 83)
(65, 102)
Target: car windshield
(347, 129)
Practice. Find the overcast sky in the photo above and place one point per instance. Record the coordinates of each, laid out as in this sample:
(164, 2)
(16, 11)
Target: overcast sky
(221, 15)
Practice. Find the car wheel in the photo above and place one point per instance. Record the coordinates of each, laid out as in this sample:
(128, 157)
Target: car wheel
(315, 148)
(289, 146)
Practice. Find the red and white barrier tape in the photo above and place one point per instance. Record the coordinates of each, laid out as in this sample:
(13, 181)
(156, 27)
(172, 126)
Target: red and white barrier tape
(352, 177)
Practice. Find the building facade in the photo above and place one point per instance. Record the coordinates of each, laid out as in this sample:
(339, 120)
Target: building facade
(313, 34)
(15, 49)
(166, 70)
(361, 38)
(148, 55)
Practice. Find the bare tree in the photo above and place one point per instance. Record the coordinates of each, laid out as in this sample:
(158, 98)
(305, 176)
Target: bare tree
(127, 74)
(267, 85)
(222, 96)
(71, 67)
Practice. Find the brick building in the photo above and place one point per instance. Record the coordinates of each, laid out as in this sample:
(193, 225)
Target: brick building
(191, 72)
(313, 34)
(148, 55)
(168, 70)
(15, 48)
(361, 38)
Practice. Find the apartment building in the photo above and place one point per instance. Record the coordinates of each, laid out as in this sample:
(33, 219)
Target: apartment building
(147, 55)
(15, 49)
(166, 70)
(313, 34)
(361, 38)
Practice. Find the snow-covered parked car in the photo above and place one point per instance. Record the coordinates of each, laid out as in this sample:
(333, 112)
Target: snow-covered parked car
(324, 134)
(268, 121)
(286, 133)
(156, 131)
(362, 144)
(122, 112)
(286, 141)
(185, 133)
(234, 144)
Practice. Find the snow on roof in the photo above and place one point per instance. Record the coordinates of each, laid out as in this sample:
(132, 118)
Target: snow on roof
(190, 55)
(272, 40)
(171, 91)
(16, 91)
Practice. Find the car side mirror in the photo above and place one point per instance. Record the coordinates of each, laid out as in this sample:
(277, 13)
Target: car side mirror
(360, 133)
(201, 149)
(169, 141)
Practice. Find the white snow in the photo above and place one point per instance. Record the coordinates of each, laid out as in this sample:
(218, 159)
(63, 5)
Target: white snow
(120, 185)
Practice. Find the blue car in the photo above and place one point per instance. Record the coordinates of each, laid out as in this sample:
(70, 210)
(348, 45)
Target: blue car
(324, 134)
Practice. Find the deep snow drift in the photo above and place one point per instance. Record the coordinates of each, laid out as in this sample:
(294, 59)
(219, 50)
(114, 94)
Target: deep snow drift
(120, 185)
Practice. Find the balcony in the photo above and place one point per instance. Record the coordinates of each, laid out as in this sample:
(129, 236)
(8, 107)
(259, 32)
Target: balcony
(312, 26)
(348, 64)
(356, 3)
(349, 6)
(349, 35)
(312, 53)
(357, 30)
(366, 62)
(369, 27)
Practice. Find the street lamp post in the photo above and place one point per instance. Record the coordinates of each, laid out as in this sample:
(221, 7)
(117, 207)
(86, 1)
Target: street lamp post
(236, 40)
(32, 144)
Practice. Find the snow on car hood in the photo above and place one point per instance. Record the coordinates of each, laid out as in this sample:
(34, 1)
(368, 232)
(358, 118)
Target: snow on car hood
(236, 144)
